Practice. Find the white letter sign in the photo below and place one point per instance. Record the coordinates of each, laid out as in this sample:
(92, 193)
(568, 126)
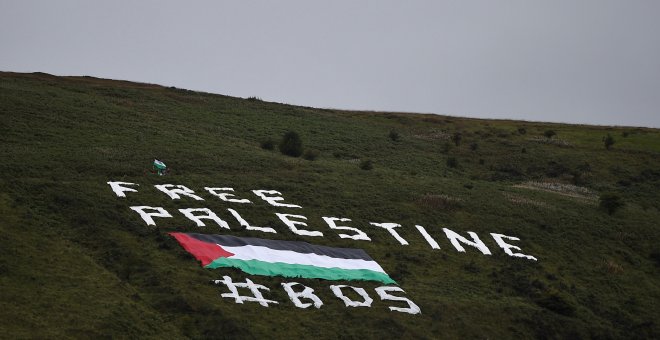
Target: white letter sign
(147, 216)
(507, 247)
(120, 190)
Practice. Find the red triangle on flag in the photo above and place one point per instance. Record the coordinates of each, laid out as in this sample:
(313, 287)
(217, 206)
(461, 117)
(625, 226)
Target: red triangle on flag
(203, 251)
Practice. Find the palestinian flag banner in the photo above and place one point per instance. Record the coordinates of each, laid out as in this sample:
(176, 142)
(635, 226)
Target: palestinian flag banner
(282, 258)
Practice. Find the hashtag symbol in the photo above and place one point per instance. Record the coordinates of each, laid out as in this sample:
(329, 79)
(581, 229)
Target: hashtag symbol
(254, 289)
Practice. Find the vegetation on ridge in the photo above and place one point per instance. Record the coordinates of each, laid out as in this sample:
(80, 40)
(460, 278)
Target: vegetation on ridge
(75, 261)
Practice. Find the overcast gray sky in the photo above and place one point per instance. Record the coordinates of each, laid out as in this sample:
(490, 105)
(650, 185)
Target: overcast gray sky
(595, 61)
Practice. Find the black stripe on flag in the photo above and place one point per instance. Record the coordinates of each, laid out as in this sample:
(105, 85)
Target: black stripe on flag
(297, 246)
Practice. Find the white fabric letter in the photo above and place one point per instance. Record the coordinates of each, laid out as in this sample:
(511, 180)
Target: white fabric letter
(225, 195)
(247, 225)
(427, 237)
(507, 247)
(359, 234)
(307, 293)
(412, 307)
(253, 287)
(286, 218)
(120, 190)
(273, 200)
(174, 191)
(336, 289)
(209, 215)
(147, 216)
(455, 238)
(390, 227)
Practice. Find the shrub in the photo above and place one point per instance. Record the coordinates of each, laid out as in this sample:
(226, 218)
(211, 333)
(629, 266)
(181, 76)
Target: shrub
(456, 138)
(254, 99)
(394, 136)
(438, 202)
(612, 267)
(580, 178)
(655, 256)
(291, 144)
(366, 164)
(556, 302)
(311, 154)
(268, 144)
(522, 131)
(505, 172)
(608, 141)
(555, 169)
(445, 148)
(584, 167)
(549, 133)
(452, 162)
(474, 146)
(610, 202)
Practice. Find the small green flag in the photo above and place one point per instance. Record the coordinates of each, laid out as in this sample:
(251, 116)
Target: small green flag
(159, 165)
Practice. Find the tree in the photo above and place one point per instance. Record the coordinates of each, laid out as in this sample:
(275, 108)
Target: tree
(608, 141)
(456, 138)
(291, 144)
(610, 202)
(549, 133)
(394, 136)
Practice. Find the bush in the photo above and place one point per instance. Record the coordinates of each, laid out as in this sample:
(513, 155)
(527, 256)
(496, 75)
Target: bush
(268, 144)
(584, 167)
(456, 138)
(438, 202)
(555, 169)
(311, 154)
(291, 144)
(474, 146)
(522, 131)
(655, 256)
(445, 148)
(610, 202)
(556, 302)
(452, 162)
(549, 133)
(608, 141)
(394, 136)
(366, 164)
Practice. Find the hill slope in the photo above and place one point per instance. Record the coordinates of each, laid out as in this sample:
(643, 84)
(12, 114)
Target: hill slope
(76, 261)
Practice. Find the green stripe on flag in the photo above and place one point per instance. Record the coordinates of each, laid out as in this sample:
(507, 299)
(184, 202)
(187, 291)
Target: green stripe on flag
(256, 267)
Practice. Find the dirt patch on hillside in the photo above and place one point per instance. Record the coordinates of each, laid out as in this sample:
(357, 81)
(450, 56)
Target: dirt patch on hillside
(563, 189)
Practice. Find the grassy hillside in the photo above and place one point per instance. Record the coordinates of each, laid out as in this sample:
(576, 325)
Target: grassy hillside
(76, 261)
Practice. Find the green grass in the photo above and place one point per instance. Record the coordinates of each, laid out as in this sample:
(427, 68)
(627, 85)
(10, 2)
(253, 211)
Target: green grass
(75, 261)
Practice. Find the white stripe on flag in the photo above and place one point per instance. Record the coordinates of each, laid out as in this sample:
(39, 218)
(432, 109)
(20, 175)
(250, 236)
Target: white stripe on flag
(265, 254)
